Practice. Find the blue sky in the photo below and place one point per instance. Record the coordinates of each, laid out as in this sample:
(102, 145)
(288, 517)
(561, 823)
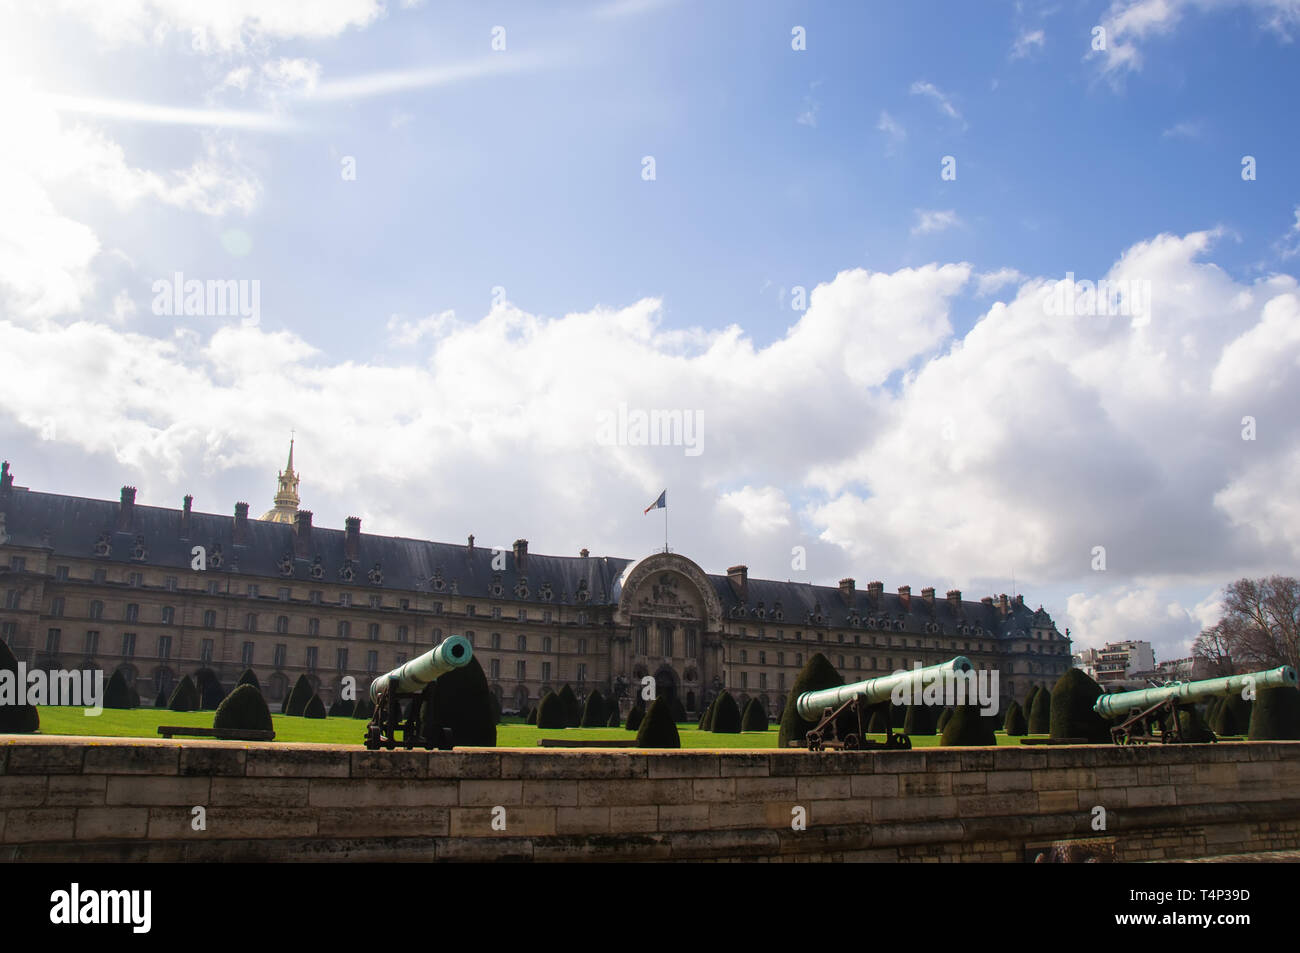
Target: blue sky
(161, 136)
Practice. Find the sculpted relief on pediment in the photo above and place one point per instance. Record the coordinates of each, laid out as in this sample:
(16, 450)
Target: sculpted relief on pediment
(667, 594)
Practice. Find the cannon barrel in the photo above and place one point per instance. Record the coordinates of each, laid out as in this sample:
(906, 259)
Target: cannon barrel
(810, 704)
(1119, 703)
(414, 675)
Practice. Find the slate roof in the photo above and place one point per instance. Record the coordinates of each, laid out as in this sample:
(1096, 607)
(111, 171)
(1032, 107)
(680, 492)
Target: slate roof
(74, 525)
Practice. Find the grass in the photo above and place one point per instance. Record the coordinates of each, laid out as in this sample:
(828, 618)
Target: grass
(511, 733)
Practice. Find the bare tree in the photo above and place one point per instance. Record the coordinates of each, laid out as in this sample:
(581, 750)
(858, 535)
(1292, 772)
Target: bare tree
(1260, 627)
(1214, 647)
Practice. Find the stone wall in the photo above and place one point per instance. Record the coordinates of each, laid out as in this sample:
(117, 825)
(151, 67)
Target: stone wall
(119, 799)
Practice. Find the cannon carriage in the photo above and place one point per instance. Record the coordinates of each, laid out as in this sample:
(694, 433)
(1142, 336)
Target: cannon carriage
(409, 685)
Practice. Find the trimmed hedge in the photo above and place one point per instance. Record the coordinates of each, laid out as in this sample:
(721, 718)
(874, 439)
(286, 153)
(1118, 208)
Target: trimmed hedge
(16, 719)
(185, 697)
(594, 713)
(249, 678)
(679, 710)
(881, 719)
(462, 701)
(613, 720)
(532, 715)
(817, 673)
(1231, 715)
(315, 708)
(243, 708)
(634, 718)
(550, 712)
(1015, 723)
(1072, 714)
(1040, 715)
(706, 720)
(968, 727)
(298, 698)
(726, 715)
(944, 717)
(161, 700)
(117, 694)
(1192, 727)
(755, 717)
(363, 708)
(1276, 714)
(211, 693)
(658, 730)
(1027, 706)
(919, 720)
(572, 707)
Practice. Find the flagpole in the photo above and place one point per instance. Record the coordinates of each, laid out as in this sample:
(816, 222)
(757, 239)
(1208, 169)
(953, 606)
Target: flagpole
(665, 525)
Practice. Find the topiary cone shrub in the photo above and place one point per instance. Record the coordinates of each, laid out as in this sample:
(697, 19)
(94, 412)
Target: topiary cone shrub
(243, 708)
(364, 707)
(706, 721)
(315, 708)
(1015, 724)
(967, 727)
(944, 717)
(161, 700)
(1276, 714)
(634, 718)
(880, 720)
(754, 718)
(917, 721)
(185, 697)
(594, 713)
(572, 707)
(462, 701)
(817, 673)
(613, 721)
(726, 715)
(532, 715)
(15, 719)
(678, 709)
(1231, 715)
(658, 730)
(1192, 727)
(551, 713)
(298, 698)
(1072, 715)
(210, 691)
(249, 678)
(346, 707)
(1040, 716)
(1027, 706)
(117, 694)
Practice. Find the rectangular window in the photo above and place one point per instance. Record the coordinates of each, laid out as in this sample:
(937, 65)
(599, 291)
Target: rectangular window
(762, 658)
(246, 656)
(311, 658)
(282, 625)
(469, 610)
(209, 619)
(132, 612)
(744, 656)
(496, 612)
(164, 646)
(523, 615)
(470, 636)
(496, 640)
(92, 643)
(437, 608)
(546, 672)
(281, 651)
(400, 660)
(52, 641)
(56, 607)
(250, 622)
(344, 630)
(521, 670)
(313, 626)
(343, 660)
(170, 583)
(437, 636)
(11, 599)
(798, 658)
(762, 680)
(283, 593)
(376, 602)
(373, 631)
(404, 603)
(128, 645)
(345, 598)
(168, 615)
(253, 590)
(403, 633)
(744, 679)
(494, 668)
(316, 597)
(205, 650)
(582, 646)
(780, 681)
(61, 574)
(18, 563)
(582, 673)
(8, 630)
(214, 588)
(135, 580)
(546, 615)
(372, 662)
(100, 577)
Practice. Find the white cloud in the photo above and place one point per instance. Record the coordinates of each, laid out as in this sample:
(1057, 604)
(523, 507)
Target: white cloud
(991, 281)
(894, 132)
(404, 333)
(1133, 613)
(761, 509)
(1187, 129)
(934, 220)
(1027, 42)
(941, 99)
(396, 81)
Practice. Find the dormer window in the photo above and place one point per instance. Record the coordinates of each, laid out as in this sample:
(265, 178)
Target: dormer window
(139, 551)
(104, 545)
(437, 584)
(376, 575)
(317, 570)
(216, 558)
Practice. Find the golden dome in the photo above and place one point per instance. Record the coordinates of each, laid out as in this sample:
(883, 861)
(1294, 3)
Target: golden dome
(286, 495)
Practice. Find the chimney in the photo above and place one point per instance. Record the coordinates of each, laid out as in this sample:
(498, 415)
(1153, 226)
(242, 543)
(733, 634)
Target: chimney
(185, 516)
(521, 555)
(6, 478)
(241, 524)
(738, 576)
(988, 601)
(927, 594)
(127, 510)
(846, 591)
(875, 590)
(1003, 607)
(583, 552)
(352, 537)
(1020, 599)
(905, 597)
(302, 535)
(471, 544)
(954, 601)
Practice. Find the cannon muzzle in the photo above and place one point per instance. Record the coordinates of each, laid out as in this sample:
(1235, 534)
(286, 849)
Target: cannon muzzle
(411, 677)
(811, 704)
(1120, 703)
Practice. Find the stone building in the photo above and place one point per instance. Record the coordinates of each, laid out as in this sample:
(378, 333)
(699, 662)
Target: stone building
(113, 585)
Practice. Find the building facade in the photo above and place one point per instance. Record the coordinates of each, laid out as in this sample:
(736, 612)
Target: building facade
(159, 593)
(1119, 666)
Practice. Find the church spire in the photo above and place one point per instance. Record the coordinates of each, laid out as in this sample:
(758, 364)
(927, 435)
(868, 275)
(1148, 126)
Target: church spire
(289, 468)
(286, 493)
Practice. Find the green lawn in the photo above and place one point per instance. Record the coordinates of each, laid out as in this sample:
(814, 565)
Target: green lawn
(144, 722)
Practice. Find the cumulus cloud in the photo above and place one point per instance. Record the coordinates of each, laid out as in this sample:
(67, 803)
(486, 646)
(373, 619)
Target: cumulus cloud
(761, 509)
(934, 220)
(894, 132)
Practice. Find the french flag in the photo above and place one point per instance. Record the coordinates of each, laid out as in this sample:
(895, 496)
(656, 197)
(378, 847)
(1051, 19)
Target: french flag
(659, 504)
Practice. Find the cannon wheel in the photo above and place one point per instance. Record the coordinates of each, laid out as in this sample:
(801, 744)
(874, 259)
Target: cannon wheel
(850, 742)
(815, 741)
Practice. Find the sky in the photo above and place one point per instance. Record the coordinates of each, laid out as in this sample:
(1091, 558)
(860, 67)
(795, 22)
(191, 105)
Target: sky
(840, 241)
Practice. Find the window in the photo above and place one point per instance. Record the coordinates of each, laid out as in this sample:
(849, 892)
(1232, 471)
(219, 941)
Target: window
(762, 679)
(132, 612)
(780, 681)
(313, 626)
(470, 636)
(521, 670)
(92, 643)
(546, 615)
(316, 597)
(283, 593)
(372, 662)
(642, 640)
(311, 658)
(376, 602)
(205, 651)
(521, 643)
(404, 603)
(281, 651)
(250, 622)
(437, 636)
(690, 642)
(253, 590)
(164, 646)
(839, 661)
(345, 599)
(469, 610)
(52, 641)
(546, 673)
(523, 615)
(372, 632)
(12, 599)
(135, 580)
(496, 612)
(582, 673)
(798, 658)
(546, 644)
(582, 646)
(400, 659)
(128, 645)
(8, 630)
(210, 619)
(582, 618)
(247, 655)
(494, 668)
(100, 577)
(403, 633)
(496, 640)
(282, 624)
(744, 656)
(342, 658)
(18, 563)
(56, 607)
(780, 658)
(170, 583)
(344, 629)
(437, 608)
(214, 588)
(168, 615)
(857, 661)
(744, 679)
(61, 574)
